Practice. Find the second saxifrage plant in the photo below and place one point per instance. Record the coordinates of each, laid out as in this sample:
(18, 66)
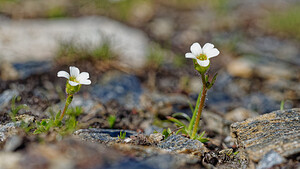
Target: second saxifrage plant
(201, 60)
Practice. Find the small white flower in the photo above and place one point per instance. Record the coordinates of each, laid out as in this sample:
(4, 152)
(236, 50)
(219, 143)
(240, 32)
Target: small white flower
(75, 77)
(202, 55)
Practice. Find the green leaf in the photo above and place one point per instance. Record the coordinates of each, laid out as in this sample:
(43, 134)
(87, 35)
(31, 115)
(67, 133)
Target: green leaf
(174, 120)
(282, 105)
(195, 111)
(182, 115)
(213, 81)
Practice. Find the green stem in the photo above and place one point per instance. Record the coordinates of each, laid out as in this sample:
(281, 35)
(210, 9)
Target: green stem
(192, 122)
(68, 102)
(204, 90)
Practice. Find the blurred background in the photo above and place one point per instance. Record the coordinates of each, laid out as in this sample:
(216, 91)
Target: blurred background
(140, 46)
(134, 51)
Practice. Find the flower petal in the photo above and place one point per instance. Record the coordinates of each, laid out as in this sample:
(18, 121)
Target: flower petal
(63, 74)
(74, 71)
(190, 55)
(212, 53)
(73, 83)
(85, 82)
(196, 49)
(82, 76)
(203, 63)
(207, 47)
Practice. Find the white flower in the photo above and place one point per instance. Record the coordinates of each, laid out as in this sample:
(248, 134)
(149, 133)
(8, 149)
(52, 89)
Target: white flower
(75, 77)
(202, 55)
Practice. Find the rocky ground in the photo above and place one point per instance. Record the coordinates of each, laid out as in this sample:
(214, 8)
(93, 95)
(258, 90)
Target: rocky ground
(134, 52)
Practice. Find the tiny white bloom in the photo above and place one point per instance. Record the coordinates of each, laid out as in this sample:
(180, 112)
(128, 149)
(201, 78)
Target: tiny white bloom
(202, 55)
(75, 77)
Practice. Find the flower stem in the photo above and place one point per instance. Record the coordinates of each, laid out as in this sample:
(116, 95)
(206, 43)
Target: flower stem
(203, 96)
(68, 101)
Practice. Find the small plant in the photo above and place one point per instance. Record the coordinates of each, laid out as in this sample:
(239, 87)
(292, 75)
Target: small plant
(201, 62)
(282, 105)
(73, 85)
(166, 133)
(122, 135)
(111, 121)
(14, 110)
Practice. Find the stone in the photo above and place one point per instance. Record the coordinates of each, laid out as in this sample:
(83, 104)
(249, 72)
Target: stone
(8, 72)
(123, 88)
(240, 114)
(240, 68)
(214, 122)
(278, 131)
(260, 102)
(39, 40)
(182, 144)
(162, 28)
(30, 68)
(10, 160)
(270, 159)
(13, 143)
(102, 135)
(6, 97)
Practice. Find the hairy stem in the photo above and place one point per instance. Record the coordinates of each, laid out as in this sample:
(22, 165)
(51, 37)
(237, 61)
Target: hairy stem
(68, 101)
(203, 96)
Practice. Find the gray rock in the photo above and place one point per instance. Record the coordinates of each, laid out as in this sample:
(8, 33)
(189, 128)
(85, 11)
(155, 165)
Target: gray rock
(123, 88)
(13, 143)
(6, 97)
(32, 68)
(278, 131)
(260, 102)
(5, 129)
(240, 114)
(39, 40)
(270, 159)
(182, 144)
(102, 135)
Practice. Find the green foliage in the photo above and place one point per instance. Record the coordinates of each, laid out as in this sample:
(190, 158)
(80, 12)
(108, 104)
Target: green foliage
(187, 130)
(285, 22)
(56, 12)
(156, 56)
(122, 135)
(55, 124)
(111, 121)
(282, 105)
(71, 52)
(166, 133)
(14, 110)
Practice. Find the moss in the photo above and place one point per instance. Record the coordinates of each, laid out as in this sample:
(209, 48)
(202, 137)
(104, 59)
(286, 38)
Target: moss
(285, 23)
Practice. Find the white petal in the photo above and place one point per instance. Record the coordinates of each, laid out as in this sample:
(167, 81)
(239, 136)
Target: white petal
(82, 76)
(196, 49)
(73, 83)
(63, 74)
(190, 55)
(207, 47)
(203, 63)
(212, 53)
(74, 71)
(85, 82)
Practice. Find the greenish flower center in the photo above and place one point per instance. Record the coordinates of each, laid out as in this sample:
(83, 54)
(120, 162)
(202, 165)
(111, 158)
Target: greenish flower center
(202, 57)
(72, 78)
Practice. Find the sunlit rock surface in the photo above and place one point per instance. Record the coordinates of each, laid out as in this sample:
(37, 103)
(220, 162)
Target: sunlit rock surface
(278, 131)
(39, 39)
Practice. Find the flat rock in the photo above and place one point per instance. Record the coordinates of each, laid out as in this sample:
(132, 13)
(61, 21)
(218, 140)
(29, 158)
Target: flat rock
(123, 88)
(102, 135)
(278, 131)
(39, 40)
(6, 97)
(182, 144)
